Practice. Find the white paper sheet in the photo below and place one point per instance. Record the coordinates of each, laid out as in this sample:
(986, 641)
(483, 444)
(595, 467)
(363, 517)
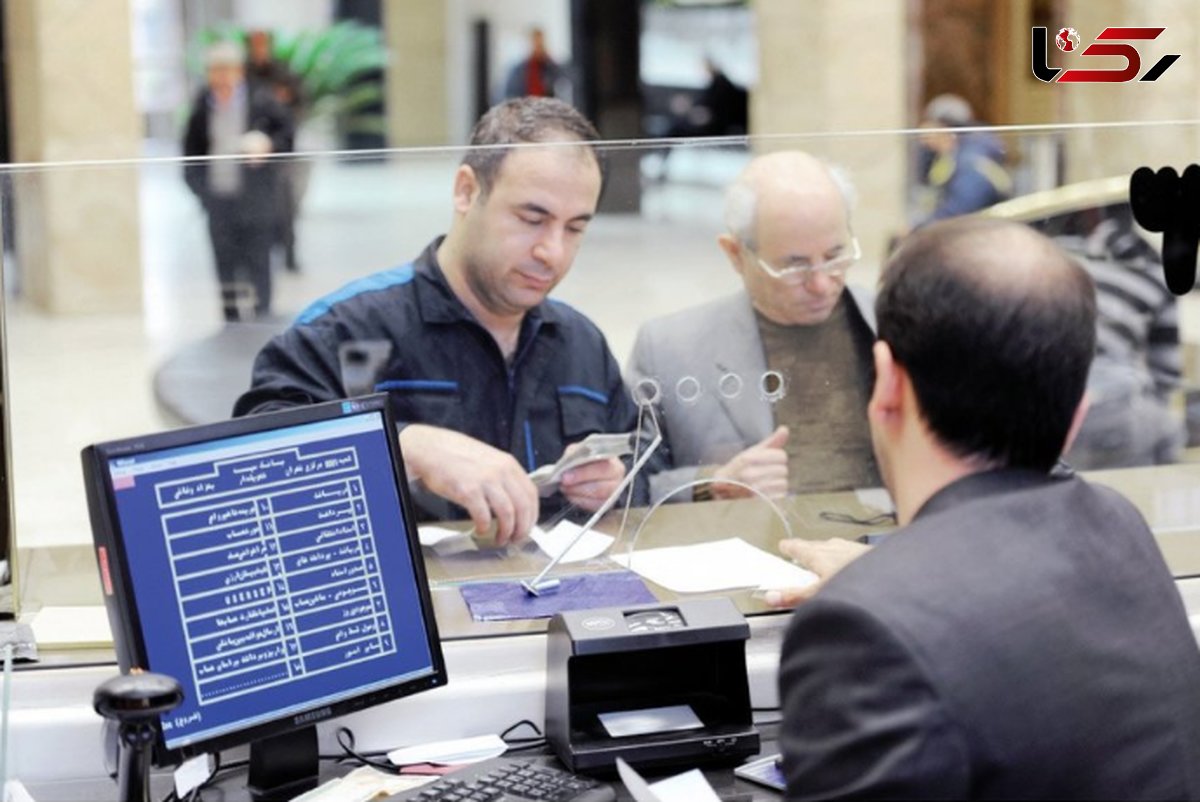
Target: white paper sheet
(718, 565)
(552, 542)
(450, 753)
(71, 627)
(691, 786)
(430, 535)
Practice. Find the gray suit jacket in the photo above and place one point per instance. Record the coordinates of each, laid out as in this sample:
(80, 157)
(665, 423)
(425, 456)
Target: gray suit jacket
(1022, 638)
(707, 415)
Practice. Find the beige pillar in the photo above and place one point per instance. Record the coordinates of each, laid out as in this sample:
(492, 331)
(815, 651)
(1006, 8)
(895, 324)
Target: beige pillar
(1098, 153)
(415, 34)
(839, 67)
(1029, 100)
(70, 75)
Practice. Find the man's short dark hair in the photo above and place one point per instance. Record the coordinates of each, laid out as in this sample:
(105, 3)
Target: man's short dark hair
(996, 327)
(524, 120)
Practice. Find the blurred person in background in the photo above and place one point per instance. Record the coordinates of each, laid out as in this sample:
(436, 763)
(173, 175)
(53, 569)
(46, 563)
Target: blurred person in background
(239, 190)
(964, 169)
(1139, 361)
(537, 74)
(265, 72)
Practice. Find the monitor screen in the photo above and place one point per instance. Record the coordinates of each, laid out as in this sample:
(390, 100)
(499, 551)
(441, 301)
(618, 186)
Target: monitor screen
(270, 564)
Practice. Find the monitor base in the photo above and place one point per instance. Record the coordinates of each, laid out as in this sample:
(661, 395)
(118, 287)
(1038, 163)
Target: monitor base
(283, 766)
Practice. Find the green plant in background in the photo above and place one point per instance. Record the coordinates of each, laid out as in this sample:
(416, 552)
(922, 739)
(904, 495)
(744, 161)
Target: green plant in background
(340, 69)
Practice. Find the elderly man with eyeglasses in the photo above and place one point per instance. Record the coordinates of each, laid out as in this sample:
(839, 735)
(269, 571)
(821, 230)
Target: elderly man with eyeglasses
(767, 389)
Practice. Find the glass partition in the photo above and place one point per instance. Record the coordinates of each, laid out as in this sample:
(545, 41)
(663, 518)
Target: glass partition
(117, 324)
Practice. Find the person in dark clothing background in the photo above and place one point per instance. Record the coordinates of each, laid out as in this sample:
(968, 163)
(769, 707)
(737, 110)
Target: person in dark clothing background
(239, 190)
(266, 73)
(721, 108)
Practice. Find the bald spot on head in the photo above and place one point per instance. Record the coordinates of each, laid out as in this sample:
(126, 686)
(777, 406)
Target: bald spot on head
(784, 184)
(995, 257)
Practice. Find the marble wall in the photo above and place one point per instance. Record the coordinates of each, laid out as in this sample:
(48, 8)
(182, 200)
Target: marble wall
(71, 84)
(832, 67)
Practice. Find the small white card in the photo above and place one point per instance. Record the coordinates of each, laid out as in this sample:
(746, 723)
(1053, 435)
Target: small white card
(876, 497)
(650, 719)
(191, 774)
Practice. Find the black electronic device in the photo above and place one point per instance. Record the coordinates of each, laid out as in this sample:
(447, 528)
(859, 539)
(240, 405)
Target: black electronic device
(659, 685)
(271, 565)
(135, 701)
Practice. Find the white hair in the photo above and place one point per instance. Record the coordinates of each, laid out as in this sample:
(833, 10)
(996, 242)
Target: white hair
(225, 53)
(949, 110)
(741, 202)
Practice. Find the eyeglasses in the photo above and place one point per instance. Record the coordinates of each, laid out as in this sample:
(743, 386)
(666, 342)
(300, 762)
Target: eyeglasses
(802, 270)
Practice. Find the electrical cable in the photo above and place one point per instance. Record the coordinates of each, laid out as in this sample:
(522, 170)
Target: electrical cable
(345, 739)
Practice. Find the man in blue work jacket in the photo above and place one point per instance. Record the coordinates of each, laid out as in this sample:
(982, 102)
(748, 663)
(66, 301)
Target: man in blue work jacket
(488, 379)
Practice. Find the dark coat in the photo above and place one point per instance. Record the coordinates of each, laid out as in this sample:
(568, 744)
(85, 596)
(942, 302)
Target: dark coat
(1022, 638)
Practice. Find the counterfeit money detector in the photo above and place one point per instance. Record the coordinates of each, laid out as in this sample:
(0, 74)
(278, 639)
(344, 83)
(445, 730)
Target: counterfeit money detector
(658, 685)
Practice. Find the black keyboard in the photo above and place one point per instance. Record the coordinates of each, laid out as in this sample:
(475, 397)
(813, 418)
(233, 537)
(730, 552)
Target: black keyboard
(510, 780)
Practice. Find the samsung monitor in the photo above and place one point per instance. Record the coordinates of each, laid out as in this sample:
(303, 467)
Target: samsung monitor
(271, 565)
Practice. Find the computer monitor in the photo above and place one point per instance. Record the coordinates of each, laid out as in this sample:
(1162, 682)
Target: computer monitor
(271, 565)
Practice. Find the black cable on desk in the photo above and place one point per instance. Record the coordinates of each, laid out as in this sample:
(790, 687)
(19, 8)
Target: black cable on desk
(522, 744)
(345, 739)
(522, 723)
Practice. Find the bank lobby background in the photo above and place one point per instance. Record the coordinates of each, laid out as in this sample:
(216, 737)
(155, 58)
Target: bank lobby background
(112, 316)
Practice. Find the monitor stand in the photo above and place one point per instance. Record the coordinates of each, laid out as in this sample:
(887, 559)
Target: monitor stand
(283, 766)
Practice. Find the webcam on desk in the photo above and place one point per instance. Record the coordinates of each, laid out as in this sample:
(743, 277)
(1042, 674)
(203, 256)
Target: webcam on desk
(134, 702)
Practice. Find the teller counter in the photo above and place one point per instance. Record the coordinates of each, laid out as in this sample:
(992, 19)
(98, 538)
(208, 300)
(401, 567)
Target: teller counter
(670, 525)
(1169, 497)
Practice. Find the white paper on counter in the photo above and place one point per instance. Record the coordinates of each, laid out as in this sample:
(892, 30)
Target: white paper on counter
(717, 565)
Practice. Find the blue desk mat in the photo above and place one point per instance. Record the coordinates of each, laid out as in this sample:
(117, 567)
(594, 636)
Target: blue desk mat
(507, 600)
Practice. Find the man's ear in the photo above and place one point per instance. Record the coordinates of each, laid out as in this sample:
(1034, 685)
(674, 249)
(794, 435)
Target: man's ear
(733, 250)
(466, 188)
(1077, 421)
(887, 397)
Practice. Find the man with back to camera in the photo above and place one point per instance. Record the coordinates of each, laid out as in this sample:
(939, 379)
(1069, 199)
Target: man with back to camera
(487, 378)
(1020, 635)
(768, 386)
